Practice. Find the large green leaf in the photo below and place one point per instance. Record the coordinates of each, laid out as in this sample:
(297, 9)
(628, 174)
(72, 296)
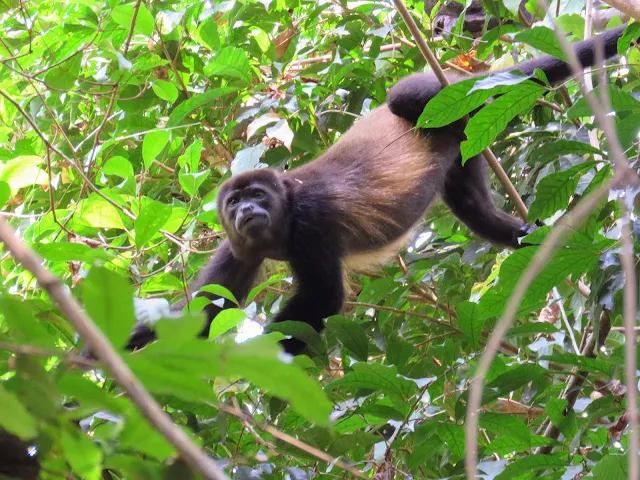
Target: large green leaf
(484, 127)
(14, 418)
(351, 335)
(554, 190)
(108, 299)
(192, 104)
(150, 220)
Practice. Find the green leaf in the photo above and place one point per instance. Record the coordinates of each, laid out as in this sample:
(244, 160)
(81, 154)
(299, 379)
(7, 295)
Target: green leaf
(555, 408)
(611, 467)
(549, 151)
(379, 378)
(471, 321)
(532, 329)
(190, 182)
(597, 365)
(191, 156)
(628, 129)
(64, 76)
(139, 436)
(123, 16)
(453, 437)
(82, 454)
(108, 299)
(302, 331)
(247, 158)
(566, 262)
(192, 104)
(96, 212)
(220, 291)
(454, 102)
(483, 128)
(259, 360)
(621, 101)
(505, 425)
(153, 144)
(165, 90)
(207, 34)
(230, 62)
(71, 252)
(554, 190)
(351, 335)
(14, 418)
(543, 39)
(22, 324)
(119, 166)
(5, 193)
(150, 220)
(225, 321)
(23, 172)
(531, 464)
(516, 377)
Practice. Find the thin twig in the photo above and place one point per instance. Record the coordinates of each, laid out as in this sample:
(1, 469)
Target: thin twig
(48, 352)
(291, 440)
(105, 352)
(630, 361)
(565, 227)
(623, 175)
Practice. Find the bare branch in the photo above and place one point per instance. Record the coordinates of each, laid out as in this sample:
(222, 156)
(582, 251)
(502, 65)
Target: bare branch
(628, 7)
(558, 233)
(105, 352)
(630, 361)
(47, 352)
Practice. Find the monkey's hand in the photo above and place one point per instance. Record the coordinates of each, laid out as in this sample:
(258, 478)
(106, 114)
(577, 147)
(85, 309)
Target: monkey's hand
(527, 229)
(148, 311)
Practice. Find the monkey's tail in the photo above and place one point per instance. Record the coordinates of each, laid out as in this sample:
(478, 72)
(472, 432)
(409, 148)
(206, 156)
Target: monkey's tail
(410, 95)
(556, 70)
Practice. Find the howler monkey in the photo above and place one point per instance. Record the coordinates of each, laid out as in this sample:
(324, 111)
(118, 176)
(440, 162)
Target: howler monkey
(358, 202)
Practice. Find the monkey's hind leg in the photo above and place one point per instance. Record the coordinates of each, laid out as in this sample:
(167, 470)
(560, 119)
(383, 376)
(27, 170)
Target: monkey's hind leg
(467, 193)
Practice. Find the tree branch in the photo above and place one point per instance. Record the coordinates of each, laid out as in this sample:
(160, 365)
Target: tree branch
(292, 441)
(628, 7)
(105, 352)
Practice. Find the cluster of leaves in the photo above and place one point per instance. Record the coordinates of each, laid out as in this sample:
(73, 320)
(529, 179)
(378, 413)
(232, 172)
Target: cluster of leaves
(118, 121)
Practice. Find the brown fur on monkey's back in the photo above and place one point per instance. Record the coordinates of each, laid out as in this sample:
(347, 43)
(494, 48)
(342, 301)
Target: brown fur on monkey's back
(381, 162)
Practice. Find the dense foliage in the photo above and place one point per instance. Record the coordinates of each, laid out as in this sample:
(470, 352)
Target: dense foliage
(118, 121)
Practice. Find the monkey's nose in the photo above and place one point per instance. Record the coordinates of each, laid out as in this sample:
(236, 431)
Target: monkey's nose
(246, 209)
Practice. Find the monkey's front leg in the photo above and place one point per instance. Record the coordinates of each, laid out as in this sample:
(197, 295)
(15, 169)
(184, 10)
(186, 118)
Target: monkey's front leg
(320, 292)
(223, 269)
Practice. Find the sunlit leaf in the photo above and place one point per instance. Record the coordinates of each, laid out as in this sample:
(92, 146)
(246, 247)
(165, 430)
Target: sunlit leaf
(150, 220)
(108, 299)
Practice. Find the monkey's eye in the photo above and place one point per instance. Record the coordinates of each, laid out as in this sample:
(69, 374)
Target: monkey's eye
(258, 194)
(232, 201)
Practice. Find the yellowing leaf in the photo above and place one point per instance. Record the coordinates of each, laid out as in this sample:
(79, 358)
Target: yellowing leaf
(96, 212)
(23, 171)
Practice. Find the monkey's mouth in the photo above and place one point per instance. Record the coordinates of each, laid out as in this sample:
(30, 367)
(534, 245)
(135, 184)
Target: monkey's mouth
(252, 221)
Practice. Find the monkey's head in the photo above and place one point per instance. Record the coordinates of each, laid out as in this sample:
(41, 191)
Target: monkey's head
(253, 209)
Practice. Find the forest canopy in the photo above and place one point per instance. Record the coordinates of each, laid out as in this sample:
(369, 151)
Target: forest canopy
(120, 120)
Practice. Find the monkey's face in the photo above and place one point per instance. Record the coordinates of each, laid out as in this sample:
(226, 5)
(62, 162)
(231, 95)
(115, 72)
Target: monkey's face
(253, 208)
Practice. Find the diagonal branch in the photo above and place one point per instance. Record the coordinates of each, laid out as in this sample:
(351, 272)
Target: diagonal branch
(623, 176)
(105, 352)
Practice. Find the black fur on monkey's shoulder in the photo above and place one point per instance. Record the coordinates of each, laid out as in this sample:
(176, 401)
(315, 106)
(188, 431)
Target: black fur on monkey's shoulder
(358, 203)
